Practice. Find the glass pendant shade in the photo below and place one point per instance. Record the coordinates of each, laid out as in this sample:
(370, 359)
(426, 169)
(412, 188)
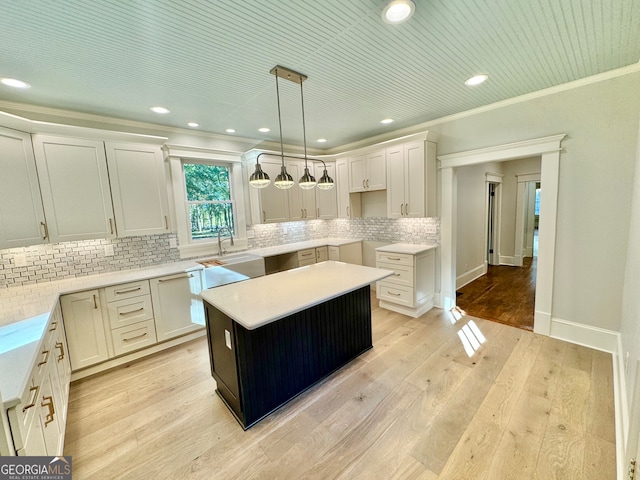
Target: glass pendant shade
(283, 180)
(307, 181)
(259, 179)
(325, 182)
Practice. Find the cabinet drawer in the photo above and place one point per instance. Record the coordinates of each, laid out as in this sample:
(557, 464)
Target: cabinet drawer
(306, 261)
(402, 275)
(394, 258)
(395, 294)
(307, 254)
(127, 290)
(334, 253)
(133, 337)
(129, 311)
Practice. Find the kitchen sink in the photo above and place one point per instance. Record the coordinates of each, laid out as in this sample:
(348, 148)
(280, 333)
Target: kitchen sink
(216, 269)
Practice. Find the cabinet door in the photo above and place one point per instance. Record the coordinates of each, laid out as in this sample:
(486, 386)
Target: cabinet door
(177, 305)
(49, 417)
(376, 171)
(346, 207)
(84, 325)
(395, 182)
(295, 195)
(357, 174)
(415, 187)
(75, 188)
(326, 200)
(274, 202)
(138, 189)
(22, 220)
(322, 254)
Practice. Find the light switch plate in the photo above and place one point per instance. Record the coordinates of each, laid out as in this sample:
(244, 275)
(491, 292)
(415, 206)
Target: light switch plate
(173, 243)
(227, 339)
(20, 260)
(108, 251)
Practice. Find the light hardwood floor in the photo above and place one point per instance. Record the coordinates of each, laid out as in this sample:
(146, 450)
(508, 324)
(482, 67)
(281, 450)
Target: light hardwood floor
(416, 406)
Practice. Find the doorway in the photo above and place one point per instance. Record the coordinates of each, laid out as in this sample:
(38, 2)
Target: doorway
(549, 150)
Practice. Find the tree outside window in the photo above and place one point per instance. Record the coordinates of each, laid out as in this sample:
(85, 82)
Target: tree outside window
(208, 199)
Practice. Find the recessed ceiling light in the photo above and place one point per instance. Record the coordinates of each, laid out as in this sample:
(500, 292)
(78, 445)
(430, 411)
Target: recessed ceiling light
(475, 80)
(15, 83)
(398, 11)
(162, 110)
(321, 140)
(230, 130)
(193, 124)
(264, 129)
(386, 120)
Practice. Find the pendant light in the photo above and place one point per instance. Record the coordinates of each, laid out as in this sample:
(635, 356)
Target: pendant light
(259, 179)
(283, 180)
(325, 182)
(307, 181)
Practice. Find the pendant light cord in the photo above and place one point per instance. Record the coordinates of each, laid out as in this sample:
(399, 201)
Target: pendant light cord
(304, 128)
(280, 119)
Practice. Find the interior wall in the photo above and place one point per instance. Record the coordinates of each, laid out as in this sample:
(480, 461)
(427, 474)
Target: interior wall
(470, 232)
(594, 198)
(511, 170)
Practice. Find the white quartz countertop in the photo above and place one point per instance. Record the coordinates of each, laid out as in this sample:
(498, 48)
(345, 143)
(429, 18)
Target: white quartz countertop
(407, 248)
(262, 300)
(294, 247)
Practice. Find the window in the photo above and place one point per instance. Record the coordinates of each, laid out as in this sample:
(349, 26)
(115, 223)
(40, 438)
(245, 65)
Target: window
(209, 200)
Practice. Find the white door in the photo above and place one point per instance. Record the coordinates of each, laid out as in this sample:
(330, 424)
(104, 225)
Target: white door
(376, 170)
(295, 196)
(138, 189)
(75, 188)
(395, 182)
(177, 306)
(342, 188)
(357, 174)
(84, 326)
(414, 195)
(22, 220)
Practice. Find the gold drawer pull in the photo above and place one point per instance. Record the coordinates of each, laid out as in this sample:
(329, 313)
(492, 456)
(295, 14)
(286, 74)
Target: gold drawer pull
(46, 358)
(394, 294)
(46, 230)
(132, 311)
(131, 290)
(186, 275)
(133, 338)
(48, 402)
(395, 259)
(61, 347)
(33, 394)
(396, 274)
(306, 254)
(54, 325)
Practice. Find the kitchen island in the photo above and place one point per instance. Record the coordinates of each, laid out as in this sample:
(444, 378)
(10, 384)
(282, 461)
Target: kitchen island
(273, 337)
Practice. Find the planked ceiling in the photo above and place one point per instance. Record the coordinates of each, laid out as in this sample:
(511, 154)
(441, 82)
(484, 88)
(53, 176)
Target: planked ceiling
(209, 61)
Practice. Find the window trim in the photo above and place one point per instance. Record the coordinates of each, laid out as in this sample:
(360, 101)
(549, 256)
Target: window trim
(198, 248)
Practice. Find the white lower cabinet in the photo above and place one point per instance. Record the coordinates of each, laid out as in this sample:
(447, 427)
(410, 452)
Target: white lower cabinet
(177, 305)
(348, 253)
(410, 290)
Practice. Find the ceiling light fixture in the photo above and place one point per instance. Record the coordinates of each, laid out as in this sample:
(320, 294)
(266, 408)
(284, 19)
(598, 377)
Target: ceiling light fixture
(193, 124)
(264, 130)
(162, 110)
(230, 130)
(386, 121)
(475, 80)
(15, 83)
(398, 11)
(321, 140)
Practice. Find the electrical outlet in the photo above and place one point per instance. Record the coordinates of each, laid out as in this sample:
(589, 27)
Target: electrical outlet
(173, 243)
(20, 260)
(285, 230)
(108, 251)
(251, 234)
(227, 339)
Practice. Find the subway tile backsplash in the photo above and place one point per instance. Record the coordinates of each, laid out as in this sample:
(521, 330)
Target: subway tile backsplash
(43, 263)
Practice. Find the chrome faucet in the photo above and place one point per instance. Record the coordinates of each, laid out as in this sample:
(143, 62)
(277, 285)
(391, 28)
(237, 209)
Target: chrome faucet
(220, 230)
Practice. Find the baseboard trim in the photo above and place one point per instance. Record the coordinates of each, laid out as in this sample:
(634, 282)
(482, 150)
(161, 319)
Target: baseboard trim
(509, 261)
(585, 335)
(471, 275)
(621, 408)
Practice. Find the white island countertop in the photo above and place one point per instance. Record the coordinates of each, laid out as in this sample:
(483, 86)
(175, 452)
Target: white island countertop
(262, 300)
(407, 248)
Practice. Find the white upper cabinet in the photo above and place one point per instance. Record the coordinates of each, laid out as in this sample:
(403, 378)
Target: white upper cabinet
(138, 189)
(326, 200)
(348, 205)
(368, 172)
(411, 180)
(270, 204)
(302, 203)
(22, 220)
(74, 182)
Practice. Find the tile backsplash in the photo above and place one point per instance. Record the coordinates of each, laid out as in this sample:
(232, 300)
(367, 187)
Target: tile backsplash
(43, 263)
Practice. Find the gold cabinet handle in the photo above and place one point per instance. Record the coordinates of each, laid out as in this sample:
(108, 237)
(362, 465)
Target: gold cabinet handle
(348, 213)
(367, 183)
(60, 346)
(363, 183)
(305, 213)
(111, 226)
(401, 209)
(264, 216)
(133, 338)
(308, 254)
(48, 402)
(46, 230)
(166, 223)
(131, 290)
(54, 326)
(95, 302)
(394, 294)
(318, 212)
(46, 358)
(396, 274)
(123, 314)
(395, 259)
(186, 275)
(33, 394)
(406, 209)
(301, 213)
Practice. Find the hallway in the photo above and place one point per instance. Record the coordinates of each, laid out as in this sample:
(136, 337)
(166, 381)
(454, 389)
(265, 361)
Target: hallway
(505, 294)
